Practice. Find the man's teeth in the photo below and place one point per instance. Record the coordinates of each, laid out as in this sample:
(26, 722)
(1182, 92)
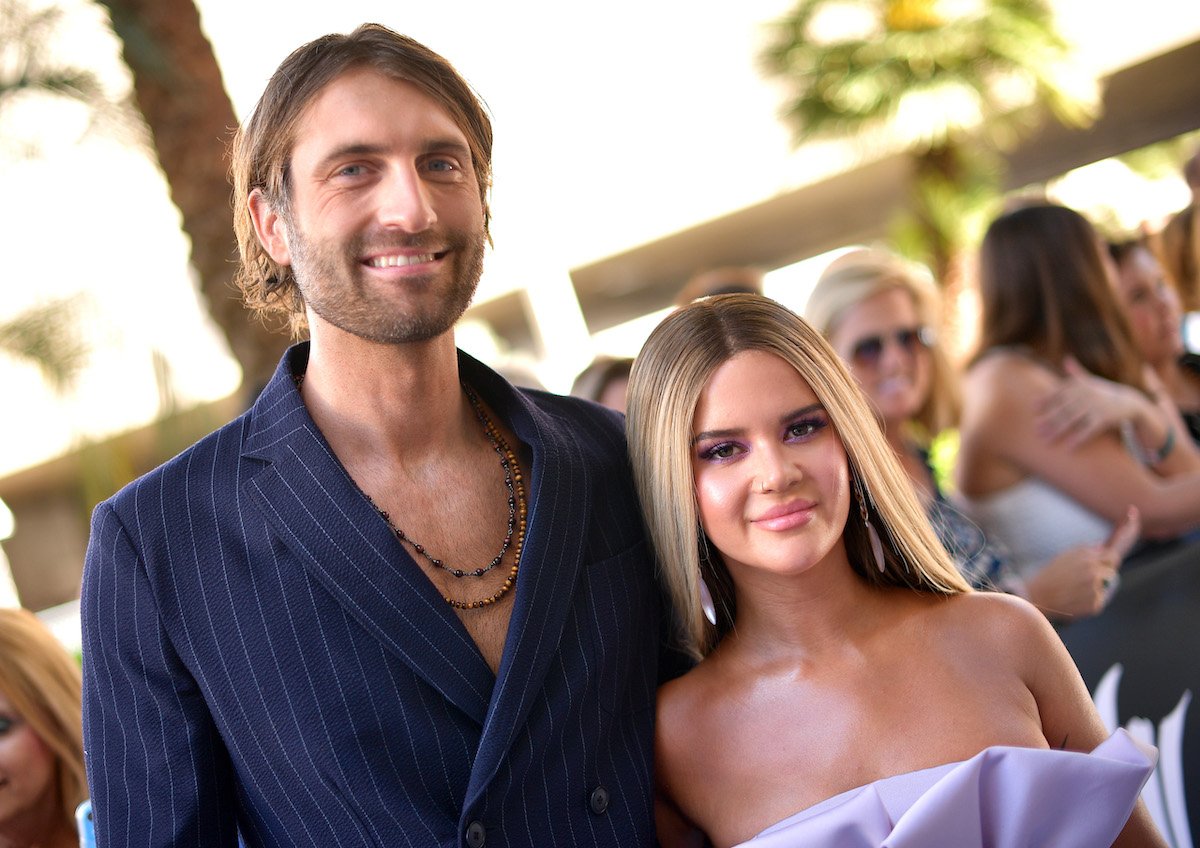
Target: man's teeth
(398, 261)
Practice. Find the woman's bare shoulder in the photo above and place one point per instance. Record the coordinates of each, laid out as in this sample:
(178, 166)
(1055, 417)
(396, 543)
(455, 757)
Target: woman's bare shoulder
(689, 696)
(996, 622)
(1006, 371)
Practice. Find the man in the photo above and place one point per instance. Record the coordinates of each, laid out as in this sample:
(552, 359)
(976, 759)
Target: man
(398, 602)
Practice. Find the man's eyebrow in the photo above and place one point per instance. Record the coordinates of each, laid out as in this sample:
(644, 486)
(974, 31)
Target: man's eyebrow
(449, 145)
(437, 145)
(346, 151)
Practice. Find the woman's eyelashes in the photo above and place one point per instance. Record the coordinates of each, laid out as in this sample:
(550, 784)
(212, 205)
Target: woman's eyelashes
(721, 451)
(800, 430)
(806, 427)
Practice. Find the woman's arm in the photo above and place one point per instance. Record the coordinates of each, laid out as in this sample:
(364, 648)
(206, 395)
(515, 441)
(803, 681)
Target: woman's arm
(1001, 445)
(1083, 405)
(1069, 718)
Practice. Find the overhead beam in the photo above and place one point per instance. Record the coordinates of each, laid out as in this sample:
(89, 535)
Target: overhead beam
(1144, 103)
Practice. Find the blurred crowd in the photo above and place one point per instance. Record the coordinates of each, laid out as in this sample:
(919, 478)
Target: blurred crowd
(1065, 444)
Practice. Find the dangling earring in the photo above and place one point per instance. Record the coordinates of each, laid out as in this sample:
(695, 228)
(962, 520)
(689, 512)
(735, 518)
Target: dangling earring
(872, 535)
(706, 603)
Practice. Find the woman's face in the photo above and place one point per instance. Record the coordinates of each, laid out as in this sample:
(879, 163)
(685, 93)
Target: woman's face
(886, 345)
(771, 475)
(1152, 306)
(27, 772)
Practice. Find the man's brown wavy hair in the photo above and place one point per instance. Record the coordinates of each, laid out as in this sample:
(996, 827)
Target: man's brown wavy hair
(263, 146)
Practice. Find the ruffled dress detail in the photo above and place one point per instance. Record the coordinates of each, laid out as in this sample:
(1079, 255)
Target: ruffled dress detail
(1003, 797)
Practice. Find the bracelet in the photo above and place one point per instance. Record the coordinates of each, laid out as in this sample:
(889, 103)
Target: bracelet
(1145, 457)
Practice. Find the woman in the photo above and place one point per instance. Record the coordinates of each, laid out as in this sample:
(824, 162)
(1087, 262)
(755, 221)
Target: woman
(1152, 306)
(1049, 313)
(878, 311)
(41, 753)
(847, 651)
(1179, 250)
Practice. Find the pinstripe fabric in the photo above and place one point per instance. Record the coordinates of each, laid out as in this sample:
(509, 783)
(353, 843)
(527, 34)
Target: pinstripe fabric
(260, 654)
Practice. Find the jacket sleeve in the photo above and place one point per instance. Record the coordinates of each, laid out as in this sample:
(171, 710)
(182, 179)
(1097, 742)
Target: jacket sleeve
(157, 770)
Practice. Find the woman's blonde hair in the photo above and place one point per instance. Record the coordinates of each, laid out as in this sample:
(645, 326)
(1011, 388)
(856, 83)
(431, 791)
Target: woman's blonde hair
(42, 683)
(668, 377)
(865, 272)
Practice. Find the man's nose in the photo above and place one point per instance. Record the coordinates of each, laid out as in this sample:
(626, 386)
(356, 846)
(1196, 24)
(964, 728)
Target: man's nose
(405, 202)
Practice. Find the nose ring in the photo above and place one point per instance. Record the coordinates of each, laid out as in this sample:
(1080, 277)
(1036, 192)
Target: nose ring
(762, 487)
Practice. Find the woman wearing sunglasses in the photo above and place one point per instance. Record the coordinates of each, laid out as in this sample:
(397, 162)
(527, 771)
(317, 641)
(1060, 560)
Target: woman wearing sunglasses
(1050, 319)
(878, 311)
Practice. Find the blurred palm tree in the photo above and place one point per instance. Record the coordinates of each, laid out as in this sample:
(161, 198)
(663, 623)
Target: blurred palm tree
(47, 336)
(952, 81)
(181, 94)
(32, 72)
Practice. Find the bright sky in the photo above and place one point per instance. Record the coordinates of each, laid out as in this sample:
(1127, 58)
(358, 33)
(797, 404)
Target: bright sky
(615, 124)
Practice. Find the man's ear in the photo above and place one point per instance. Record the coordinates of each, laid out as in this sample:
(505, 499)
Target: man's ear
(270, 228)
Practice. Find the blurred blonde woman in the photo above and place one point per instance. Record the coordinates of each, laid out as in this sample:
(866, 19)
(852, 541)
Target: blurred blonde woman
(880, 311)
(41, 753)
(846, 661)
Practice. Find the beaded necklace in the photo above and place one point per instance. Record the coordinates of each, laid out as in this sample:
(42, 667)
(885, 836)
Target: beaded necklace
(517, 511)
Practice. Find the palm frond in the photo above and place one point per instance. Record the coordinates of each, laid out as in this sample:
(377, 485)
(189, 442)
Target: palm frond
(47, 336)
(30, 68)
(973, 69)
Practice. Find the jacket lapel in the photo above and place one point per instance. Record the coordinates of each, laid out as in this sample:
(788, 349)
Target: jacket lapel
(559, 499)
(326, 522)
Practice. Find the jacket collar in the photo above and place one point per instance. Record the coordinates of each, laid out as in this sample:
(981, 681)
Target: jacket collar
(324, 519)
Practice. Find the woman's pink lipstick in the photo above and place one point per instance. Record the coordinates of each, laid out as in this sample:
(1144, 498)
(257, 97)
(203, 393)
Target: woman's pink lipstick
(786, 516)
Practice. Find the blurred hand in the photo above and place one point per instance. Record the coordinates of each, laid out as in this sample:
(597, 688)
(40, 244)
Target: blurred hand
(1084, 406)
(1079, 583)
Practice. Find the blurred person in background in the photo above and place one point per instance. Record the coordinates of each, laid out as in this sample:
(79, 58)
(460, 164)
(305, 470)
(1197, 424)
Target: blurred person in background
(605, 381)
(1156, 318)
(41, 753)
(880, 312)
(1179, 251)
(1191, 176)
(724, 280)
(1035, 467)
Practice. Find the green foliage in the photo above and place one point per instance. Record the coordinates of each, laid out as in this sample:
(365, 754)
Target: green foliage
(952, 87)
(987, 65)
(47, 336)
(30, 69)
(943, 453)
(1164, 159)
(950, 206)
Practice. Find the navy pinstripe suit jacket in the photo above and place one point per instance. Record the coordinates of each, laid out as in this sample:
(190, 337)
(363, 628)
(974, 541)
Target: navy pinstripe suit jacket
(261, 654)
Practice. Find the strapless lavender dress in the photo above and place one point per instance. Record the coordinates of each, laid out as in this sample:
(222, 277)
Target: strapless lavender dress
(1000, 798)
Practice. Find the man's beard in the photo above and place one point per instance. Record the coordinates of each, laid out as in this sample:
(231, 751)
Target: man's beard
(334, 286)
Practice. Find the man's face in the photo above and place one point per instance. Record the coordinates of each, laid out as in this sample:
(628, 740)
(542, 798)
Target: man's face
(384, 231)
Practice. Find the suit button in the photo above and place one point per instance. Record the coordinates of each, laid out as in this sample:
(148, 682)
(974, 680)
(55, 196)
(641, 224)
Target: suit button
(476, 835)
(598, 800)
